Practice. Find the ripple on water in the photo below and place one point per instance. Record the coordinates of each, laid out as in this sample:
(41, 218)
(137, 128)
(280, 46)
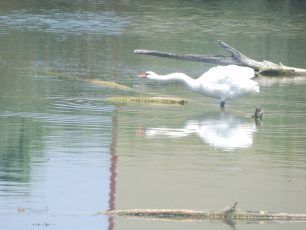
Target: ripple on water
(88, 105)
(65, 23)
(80, 112)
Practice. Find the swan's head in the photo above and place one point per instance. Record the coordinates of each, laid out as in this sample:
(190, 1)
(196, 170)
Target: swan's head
(148, 74)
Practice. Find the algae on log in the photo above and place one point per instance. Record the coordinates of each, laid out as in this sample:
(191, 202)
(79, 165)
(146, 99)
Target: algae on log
(145, 99)
(224, 216)
(266, 68)
(96, 82)
(108, 84)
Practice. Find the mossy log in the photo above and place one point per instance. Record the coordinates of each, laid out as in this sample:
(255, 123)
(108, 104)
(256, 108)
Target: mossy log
(107, 84)
(228, 216)
(96, 82)
(145, 99)
(266, 68)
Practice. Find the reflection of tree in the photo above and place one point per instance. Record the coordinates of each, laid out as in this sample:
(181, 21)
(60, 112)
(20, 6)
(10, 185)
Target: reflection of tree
(15, 148)
(113, 165)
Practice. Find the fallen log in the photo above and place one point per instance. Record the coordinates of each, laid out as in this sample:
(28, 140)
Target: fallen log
(147, 99)
(266, 68)
(96, 82)
(229, 215)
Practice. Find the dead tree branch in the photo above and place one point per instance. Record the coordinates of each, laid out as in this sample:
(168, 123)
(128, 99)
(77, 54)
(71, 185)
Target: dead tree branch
(236, 58)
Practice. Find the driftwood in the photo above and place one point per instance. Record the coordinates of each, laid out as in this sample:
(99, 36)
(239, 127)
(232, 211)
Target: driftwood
(95, 82)
(230, 215)
(237, 58)
(106, 84)
(146, 99)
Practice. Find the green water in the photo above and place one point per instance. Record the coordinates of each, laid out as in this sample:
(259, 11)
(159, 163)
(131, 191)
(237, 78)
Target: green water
(66, 153)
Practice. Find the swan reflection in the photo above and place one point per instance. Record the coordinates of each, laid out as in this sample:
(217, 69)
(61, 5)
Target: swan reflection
(221, 131)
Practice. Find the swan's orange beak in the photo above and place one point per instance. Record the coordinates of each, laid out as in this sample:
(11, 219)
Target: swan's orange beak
(142, 75)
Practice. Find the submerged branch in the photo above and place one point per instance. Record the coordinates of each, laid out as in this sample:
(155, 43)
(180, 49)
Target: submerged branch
(95, 82)
(147, 99)
(236, 58)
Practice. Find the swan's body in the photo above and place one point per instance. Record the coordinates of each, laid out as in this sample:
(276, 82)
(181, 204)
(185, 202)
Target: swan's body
(223, 82)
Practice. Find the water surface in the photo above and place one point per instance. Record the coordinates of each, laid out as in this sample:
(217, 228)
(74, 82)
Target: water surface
(66, 153)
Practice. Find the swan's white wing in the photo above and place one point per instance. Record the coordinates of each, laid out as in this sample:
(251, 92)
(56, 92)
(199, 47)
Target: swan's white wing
(232, 72)
(229, 81)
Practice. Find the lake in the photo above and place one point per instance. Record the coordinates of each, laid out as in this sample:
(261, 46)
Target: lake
(67, 153)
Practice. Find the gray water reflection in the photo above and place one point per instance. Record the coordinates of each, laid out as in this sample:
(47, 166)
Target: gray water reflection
(218, 130)
(46, 160)
(64, 23)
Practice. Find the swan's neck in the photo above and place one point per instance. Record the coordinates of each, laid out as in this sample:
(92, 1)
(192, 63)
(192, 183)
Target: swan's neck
(181, 77)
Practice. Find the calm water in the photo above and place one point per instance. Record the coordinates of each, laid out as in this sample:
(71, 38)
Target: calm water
(66, 153)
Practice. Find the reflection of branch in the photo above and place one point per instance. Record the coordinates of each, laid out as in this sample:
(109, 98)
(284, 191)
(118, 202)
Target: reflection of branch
(237, 58)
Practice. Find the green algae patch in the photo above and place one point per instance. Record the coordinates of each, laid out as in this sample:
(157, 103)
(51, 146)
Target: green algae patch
(109, 84)
(94, 82)
(153, 100)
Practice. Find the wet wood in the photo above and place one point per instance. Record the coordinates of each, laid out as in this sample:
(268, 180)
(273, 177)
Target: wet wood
(266, 68)
(226, 216)
(145, 99)
(106, 84)
(95, 82)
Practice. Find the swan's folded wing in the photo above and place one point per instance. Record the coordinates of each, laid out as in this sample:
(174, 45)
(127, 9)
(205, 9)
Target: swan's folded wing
(228, 72)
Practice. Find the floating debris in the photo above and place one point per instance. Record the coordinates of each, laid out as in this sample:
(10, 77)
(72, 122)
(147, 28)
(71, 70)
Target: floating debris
(42, 224)
(21, 210)
(258, 115)
(154, 100)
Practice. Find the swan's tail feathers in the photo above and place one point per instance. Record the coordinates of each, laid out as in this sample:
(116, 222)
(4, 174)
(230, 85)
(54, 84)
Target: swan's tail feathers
(246, 72)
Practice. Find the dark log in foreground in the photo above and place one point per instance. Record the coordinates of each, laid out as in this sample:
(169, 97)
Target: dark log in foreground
(237, 58)
(229, 215)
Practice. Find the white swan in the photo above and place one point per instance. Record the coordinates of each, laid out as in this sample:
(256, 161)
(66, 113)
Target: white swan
(223, 82)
